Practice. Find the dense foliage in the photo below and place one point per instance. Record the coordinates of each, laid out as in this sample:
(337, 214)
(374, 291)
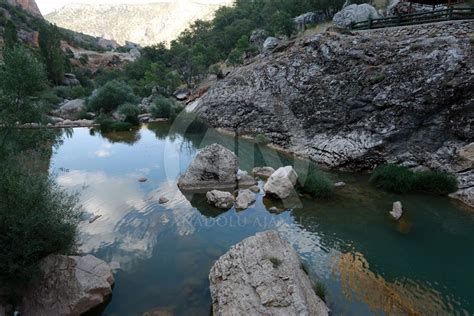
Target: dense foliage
(403, 180)
(110, 96)
(37, 218)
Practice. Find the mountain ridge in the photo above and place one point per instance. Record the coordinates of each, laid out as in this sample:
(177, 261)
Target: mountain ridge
(145, 24)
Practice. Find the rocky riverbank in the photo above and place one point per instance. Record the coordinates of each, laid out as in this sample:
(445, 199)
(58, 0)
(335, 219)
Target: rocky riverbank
(357, 100)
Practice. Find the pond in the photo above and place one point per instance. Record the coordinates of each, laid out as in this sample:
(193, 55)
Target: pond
(162, 253)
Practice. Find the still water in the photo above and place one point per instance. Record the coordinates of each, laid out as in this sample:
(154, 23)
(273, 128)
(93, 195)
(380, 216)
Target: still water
(163, 253)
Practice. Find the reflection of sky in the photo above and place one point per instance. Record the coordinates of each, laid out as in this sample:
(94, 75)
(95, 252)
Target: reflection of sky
(183, 237)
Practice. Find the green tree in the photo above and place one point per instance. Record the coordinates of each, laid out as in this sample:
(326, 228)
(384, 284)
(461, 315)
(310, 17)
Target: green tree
(37, 218)
(281, 23)
(50, 47)
(110, 96)
(11, 36)
(22, 78)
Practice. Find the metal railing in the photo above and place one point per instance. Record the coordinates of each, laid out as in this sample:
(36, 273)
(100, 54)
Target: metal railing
(416, 18)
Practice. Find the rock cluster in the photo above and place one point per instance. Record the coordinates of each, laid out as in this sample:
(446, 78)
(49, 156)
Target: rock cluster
(354, 101)
(262, 275)
(70, 285)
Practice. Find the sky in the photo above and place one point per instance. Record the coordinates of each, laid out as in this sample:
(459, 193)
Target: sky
(47, 6)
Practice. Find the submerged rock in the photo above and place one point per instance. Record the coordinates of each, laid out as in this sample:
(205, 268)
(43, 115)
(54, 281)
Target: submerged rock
(262, 275)
(282, 182)
(244, 199)
(339, 184)
(70, 285)
(220, 199)
(397, 210)
(215, 167)
(245, 180)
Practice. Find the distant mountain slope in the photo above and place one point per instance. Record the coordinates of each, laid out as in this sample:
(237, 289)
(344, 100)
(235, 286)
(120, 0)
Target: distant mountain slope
(145, 24)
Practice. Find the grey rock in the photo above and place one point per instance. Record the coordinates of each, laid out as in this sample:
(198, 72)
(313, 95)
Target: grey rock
(263, 172)
(244, 199)
(70, 109)
(245, 180)
(262, 275)
(215, 167)
(182, 94)
(303, 20)
(163, 200)
(70, 80)
(304, 98)
(257, 38)
(397, 210)
(70, 285)
(270, 43)
(220, 199)
(281, 183)
(254, 189)
(339, 184)
(355, 13)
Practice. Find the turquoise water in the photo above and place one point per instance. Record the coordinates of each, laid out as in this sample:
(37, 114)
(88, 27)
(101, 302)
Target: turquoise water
(163, 253)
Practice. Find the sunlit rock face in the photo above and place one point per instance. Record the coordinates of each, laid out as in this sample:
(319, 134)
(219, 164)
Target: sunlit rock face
(28, 5)
(145, 24)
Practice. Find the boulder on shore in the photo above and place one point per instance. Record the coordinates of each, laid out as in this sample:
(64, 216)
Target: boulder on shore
(70, 285)
(220, 199)
(70, 109)
(215, 167)
(262, 275)
(355, 13)
(281, 183)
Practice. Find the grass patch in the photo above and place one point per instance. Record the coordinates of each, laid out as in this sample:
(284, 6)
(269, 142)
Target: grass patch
(317, 184)
(320, 290)
(275, 261)
(399, 179)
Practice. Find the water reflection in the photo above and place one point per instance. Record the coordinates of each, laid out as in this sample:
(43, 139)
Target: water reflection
(165, 250)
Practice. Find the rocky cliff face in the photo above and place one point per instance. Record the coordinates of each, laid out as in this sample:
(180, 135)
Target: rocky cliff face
(353, 101)
(28, 5)
(145, 24)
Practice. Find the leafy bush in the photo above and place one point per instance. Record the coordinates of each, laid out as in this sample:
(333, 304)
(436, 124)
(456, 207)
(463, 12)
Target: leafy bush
(165, 108)
(131, 112)
(435, 182)
(37, 218)
(393, 178)
(317, 184)
(109, 125)
(399, 179)
(110, 96)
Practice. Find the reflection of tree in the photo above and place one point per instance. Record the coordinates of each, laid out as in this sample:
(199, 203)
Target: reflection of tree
(398, 298)
(126, 137)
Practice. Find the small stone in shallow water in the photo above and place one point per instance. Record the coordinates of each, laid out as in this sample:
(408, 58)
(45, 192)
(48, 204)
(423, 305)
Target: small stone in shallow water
(397, 210)
(143, 179)
(339, 184)
(163, 200)
(94, 218)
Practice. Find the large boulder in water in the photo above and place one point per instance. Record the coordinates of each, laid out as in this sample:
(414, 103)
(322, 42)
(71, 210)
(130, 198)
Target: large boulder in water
(355, 13)
(282, 182)
(70, 285)
(215, 167)
(262, 275)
